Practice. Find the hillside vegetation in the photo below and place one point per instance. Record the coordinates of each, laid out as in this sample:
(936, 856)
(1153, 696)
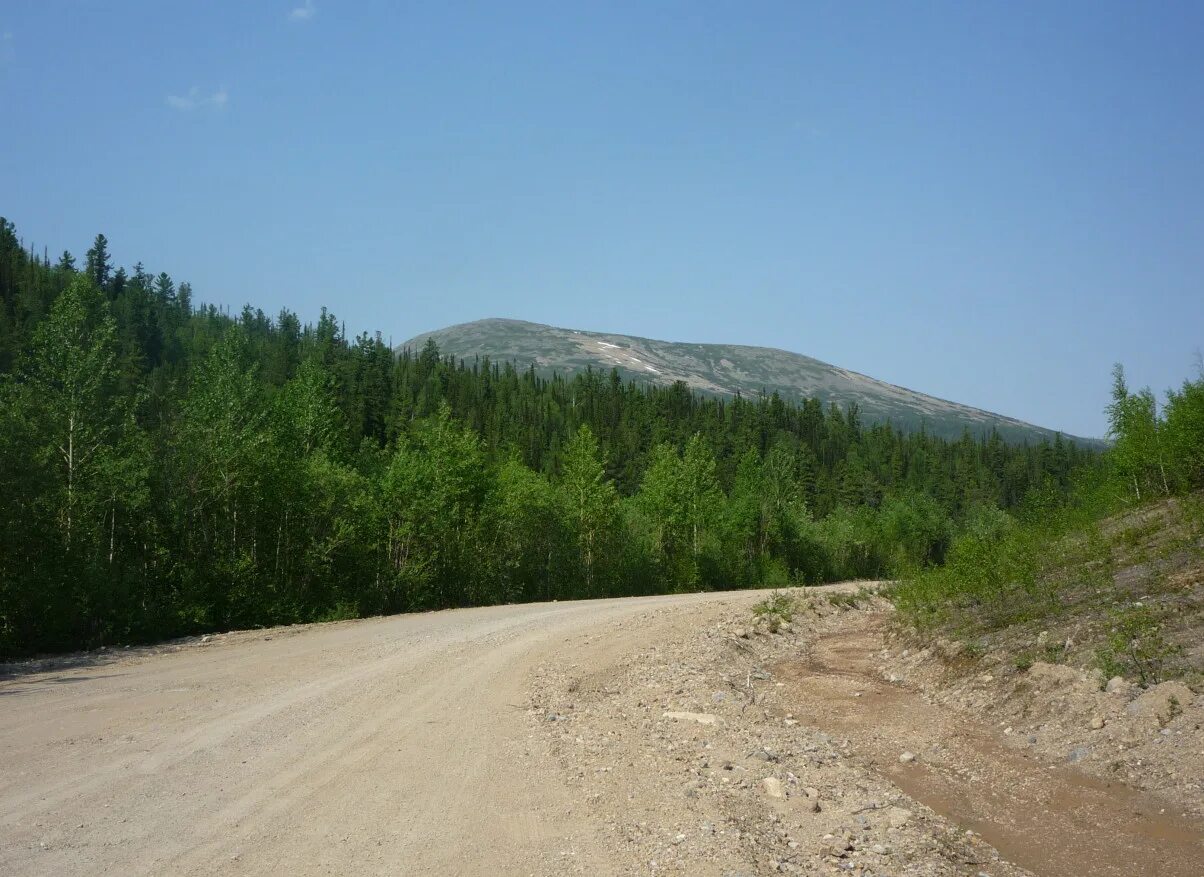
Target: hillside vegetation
(720, 369)
(168, 469)
(1109, 574)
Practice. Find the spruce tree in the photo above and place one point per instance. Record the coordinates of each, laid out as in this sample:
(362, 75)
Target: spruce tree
(97, 263)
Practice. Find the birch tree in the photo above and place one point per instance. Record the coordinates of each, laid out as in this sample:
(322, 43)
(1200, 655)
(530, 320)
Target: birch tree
(1135, 431)
(591, 499)
(70, 381)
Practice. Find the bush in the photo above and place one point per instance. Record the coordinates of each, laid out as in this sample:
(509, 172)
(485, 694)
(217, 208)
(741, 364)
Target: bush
(991, 569)
(917, 529)
(777, 607)
(850, 599)
(1136, 647)
(851, 541)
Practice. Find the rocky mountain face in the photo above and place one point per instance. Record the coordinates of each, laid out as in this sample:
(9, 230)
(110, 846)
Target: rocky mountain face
(720, 369)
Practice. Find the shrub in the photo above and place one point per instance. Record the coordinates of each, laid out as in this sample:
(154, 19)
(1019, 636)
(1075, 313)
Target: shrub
(1136, 646)
(777, 607)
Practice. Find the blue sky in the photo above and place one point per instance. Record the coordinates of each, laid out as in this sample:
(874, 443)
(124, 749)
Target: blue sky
(989, 202)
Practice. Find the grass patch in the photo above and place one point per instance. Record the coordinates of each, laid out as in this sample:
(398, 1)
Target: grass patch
(850, 599)
(778, 606)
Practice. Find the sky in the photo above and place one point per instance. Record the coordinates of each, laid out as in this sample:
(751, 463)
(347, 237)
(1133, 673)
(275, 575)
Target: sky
(986, 202)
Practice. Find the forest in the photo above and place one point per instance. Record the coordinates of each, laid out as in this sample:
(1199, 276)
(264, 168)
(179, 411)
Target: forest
(167, 468)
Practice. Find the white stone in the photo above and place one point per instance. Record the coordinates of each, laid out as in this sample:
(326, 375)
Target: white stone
(773, 787)
(700, 718)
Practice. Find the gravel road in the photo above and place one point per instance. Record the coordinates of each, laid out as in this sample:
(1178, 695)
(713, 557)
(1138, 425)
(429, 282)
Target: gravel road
(393, 745)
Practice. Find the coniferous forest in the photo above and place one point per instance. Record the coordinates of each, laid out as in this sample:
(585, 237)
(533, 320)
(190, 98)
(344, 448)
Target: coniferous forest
(166, 468)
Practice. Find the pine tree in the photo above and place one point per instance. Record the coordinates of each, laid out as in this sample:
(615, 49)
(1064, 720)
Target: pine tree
(97, 263)
(184, 298)
(165, 290)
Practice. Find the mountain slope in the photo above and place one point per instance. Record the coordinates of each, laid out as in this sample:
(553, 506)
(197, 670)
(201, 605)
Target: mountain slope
(721, 369)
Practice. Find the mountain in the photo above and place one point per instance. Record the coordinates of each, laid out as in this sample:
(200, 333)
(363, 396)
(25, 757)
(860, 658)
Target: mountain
(719, 369)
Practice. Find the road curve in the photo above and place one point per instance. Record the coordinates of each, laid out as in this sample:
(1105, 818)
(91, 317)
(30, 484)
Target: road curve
(390, 745)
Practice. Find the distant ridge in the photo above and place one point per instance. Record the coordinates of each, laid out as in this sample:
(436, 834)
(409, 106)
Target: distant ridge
(724, 370)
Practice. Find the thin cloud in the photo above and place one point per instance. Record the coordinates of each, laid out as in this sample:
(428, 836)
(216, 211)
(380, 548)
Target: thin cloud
(196, 99)
(304, 12)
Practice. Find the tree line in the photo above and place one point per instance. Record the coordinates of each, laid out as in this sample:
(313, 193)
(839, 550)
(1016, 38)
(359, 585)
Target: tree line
(166, 468)
(1157, 452)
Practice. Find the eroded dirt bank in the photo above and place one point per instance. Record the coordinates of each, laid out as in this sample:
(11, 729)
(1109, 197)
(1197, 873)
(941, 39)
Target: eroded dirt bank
(1037, 810)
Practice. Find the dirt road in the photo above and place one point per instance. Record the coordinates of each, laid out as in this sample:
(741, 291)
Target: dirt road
(537, 739)
(396, 745)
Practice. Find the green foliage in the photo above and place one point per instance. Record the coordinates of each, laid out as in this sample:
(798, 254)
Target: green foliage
(1136, 432)
(990, 571)
(917, 530)
(1183, 427)
(852, 543)
(591, 503)
(1057, 550)
(1136, 646)
(74, 478)
(308, 417)
(680, 498)
(168, 468)
(433, 491)
(531, 538)
(1158, 455)
(777, 606)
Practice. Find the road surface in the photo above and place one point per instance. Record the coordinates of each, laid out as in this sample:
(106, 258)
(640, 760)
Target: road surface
(391, 745)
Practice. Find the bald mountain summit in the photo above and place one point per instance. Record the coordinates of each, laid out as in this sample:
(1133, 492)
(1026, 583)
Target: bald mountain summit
(720, 370)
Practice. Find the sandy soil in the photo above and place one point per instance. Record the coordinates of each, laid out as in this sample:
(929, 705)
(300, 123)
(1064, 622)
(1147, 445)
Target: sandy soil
(605, 737)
